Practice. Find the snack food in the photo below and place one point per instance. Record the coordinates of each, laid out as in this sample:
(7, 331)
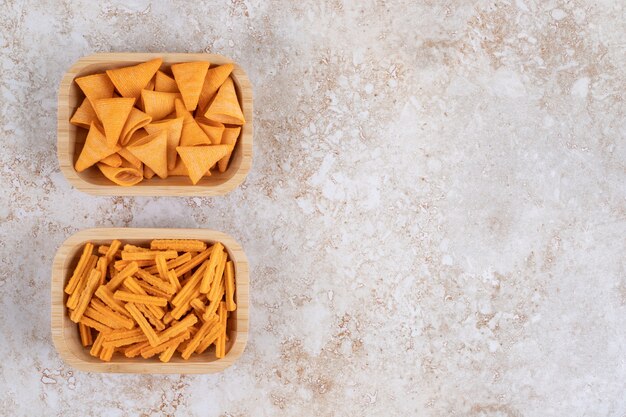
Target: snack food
(137, 114)
(181, 302)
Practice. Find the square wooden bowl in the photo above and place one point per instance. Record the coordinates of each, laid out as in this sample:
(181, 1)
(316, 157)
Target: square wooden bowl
(70, 139)
(65, 332)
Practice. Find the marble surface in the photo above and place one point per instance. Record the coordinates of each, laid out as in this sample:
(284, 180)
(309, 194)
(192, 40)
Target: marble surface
(435, 219)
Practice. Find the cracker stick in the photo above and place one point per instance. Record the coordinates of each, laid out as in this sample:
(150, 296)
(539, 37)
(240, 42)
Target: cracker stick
(181, 309)
(106, 296)
(197, 338)
(217, 286)
(175, 341)
(167, 318)
(198, 306)
(106, 353)
(86, 338)
(95, 325)
(125, 341)
(97, 345)
(150, 290)
(139, 299)
(85, 296)
(195, 261)
(172, 263)
(178, 327)
(103, 249)
(102, 267)
(80, 268)
(211, 310)
(209, 336)
(128, 271)
(152, 318)
(220, 343)
(161, 265)
(171, 275)
(119, 265)
(93, 314)
(167, 354)
(132, 285)
(193, 282)
(147, 255)
(113, 250)
(180, 245)
(123, 334)
(164, 286)
(133, 248)
(209, 272)
(72, 300)
(134, 350)
(110, 314)
(229, 286)
(143, 324)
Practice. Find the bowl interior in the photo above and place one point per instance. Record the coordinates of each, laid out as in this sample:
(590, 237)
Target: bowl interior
(72, 338)
(93, 175)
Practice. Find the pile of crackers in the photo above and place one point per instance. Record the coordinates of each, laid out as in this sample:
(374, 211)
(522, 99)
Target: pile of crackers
(173, 296)
(143, 122)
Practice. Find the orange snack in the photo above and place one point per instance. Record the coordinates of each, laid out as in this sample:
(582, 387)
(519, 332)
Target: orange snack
(189, 77)
(78, 271)
(86, 338)
(84, 115)
(165, 83)
(149, 352)
(129, 81)
(229, 286)
(158, 104)
(224, 107)
(143, 324)
(128, 271)
(104, 294)
(113, 113)
(209, 272)
(113, 160)
(95, 149)
(152, 151)
(85, 296)
(148, 255)
(214, 79)
(229, 137)
(96, 86)
(130, 159)
(172, 263)
(191, 133)
(97, 344)
(135, 121)
(139, 299)
(174, 128)
(214, 130)
(95, 325)
(124, 175)
(198, 159)
(156, 282)
(180, 245)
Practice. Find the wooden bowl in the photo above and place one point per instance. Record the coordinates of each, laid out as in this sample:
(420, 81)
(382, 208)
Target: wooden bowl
(71, 138)
(65, 332)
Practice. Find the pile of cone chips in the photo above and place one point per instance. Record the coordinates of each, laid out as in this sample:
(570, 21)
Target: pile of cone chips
(143, 122)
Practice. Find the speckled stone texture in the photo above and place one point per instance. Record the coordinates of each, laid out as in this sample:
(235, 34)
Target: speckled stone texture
(435, 219)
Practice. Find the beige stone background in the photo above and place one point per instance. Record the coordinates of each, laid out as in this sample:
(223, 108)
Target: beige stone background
(435, 219)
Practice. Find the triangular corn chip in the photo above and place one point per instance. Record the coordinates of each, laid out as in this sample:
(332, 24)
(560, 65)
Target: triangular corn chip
(151, 84)
(214, 79)
(224, 107)
(84, 115)
(136, 136)
(158, 104)
(165, 83)
(94, 150)
(191, 134)
(212, 129)
(113, 160)
(189, 77)
(130, 158)
(180, 170)
(152, 151)
(136, 120)
(198, 159)
(96, 86)
(124, 175)
(229, 137)
(148, 172)
(174, 128)
(129, 81)
(113, 113)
